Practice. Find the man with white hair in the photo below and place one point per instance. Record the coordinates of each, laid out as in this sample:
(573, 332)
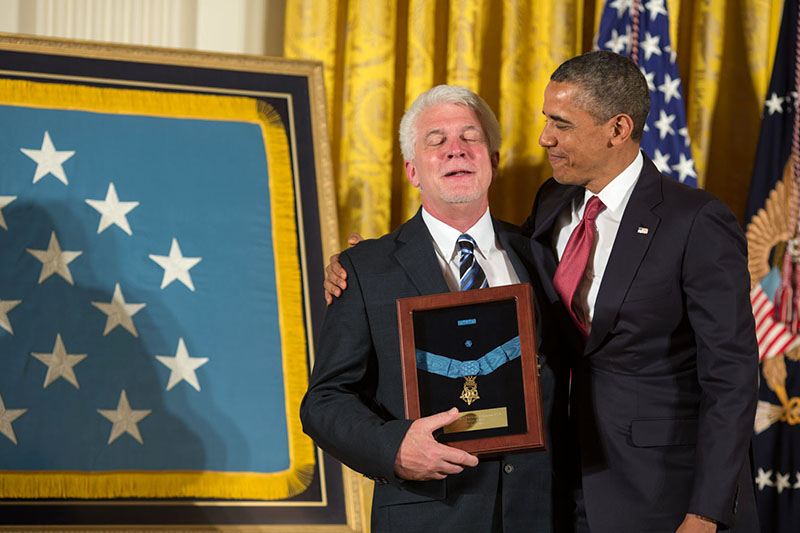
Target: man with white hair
(354, 410)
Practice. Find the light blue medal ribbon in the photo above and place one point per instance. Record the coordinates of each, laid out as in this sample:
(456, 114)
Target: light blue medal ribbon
(469, 370)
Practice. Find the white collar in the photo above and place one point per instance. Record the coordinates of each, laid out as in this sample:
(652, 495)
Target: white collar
(615, 195)
(445, 236)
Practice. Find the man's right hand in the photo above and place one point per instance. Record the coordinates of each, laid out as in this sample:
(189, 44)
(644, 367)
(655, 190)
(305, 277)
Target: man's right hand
(421, 458)
(336, 276)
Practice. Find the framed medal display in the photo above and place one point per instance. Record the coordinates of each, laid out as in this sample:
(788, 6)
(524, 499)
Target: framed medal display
(474, 350)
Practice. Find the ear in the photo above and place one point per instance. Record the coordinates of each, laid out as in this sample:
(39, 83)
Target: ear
(411, 173)
(621, 129)
(495, 159)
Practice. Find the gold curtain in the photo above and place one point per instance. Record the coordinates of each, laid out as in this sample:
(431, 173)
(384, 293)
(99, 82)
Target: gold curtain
(380, 54)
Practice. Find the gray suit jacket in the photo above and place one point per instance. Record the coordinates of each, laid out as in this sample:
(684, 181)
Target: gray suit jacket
(354, 405)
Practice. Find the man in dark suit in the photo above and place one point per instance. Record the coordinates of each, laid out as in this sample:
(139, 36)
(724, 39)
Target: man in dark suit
(657, 321)
(354, 406)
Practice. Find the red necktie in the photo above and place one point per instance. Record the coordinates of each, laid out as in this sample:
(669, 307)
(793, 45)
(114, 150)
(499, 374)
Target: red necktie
(573, 262)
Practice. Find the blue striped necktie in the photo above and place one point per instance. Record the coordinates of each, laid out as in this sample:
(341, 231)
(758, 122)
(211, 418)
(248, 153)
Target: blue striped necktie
(471, 273)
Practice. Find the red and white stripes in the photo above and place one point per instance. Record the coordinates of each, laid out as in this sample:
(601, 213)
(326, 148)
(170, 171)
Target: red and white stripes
(774, 337)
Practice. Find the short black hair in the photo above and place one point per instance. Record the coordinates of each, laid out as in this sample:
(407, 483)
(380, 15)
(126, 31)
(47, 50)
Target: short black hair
(609, 84)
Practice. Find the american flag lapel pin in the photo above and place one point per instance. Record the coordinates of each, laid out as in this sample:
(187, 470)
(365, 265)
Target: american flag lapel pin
(642, 230)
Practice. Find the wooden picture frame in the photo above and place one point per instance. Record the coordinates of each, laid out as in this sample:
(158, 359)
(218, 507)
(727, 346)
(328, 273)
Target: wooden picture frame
(294, 91)
(490, 334)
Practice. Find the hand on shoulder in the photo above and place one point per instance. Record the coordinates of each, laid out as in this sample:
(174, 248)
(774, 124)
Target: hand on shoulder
(336, 276)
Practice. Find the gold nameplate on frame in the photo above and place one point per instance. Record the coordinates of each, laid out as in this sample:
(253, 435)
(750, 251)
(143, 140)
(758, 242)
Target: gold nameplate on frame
(480, 419)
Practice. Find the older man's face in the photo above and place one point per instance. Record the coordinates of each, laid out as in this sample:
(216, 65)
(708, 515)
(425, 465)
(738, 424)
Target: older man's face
(451, 164)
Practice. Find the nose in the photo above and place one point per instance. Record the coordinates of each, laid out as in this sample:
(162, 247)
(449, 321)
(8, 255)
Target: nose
(456, 149)
(546, 139)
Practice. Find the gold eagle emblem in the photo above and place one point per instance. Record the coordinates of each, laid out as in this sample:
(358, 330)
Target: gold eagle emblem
(768, 230)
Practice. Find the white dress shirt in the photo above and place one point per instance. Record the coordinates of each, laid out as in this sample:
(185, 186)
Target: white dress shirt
(615, 196)
(488, 251)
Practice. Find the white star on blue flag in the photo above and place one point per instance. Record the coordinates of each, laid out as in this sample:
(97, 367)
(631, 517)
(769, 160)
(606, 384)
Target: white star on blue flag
(666, 138)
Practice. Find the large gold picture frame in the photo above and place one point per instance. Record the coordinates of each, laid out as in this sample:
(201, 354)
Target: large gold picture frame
(334, 499)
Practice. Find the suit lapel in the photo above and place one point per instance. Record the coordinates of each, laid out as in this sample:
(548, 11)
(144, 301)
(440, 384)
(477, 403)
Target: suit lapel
(416, 256)
(551, 203)
(630, 247)
(562, 336)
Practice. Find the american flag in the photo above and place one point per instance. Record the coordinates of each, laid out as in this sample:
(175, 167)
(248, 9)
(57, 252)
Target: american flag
(139, 302)
(666, 136)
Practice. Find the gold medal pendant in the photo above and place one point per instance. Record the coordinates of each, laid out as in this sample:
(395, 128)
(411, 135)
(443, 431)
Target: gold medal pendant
(470, 392)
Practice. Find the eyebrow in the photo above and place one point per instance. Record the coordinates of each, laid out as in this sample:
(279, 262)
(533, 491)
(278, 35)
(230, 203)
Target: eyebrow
(437, 131)
(556, 118)
(440, 131)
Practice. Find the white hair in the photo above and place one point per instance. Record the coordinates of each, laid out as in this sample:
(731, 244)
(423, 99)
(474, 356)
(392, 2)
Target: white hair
(448, 94)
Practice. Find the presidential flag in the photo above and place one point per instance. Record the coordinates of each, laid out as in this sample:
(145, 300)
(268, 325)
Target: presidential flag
(777, 116)
(666, 136)
(152, 341)
(776, 443)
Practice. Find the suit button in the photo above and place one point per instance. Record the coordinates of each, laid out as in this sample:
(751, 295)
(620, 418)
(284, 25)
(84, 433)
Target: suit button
(508, 469)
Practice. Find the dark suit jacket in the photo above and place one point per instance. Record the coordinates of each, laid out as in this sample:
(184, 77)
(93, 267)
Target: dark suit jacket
(354, 405)
(664, 390)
